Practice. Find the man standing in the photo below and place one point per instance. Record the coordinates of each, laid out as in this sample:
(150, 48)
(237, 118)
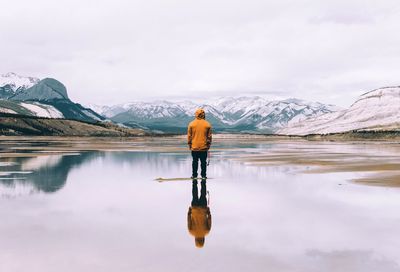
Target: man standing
(199, 141)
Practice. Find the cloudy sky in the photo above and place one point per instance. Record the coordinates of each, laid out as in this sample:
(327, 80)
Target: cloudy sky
(117, 51)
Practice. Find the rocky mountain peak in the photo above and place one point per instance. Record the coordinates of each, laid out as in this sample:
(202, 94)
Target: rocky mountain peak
(47, 89)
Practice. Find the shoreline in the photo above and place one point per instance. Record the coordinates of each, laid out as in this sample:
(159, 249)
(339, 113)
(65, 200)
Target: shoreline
(345, 136)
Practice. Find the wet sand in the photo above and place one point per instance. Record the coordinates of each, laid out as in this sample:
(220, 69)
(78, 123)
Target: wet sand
(379, 162)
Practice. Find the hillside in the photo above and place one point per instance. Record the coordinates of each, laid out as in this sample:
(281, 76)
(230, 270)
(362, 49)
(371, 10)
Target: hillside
(377, 110)
(11, 124)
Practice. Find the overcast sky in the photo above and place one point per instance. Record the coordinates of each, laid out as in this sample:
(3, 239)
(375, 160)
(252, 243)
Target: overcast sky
(117, 51)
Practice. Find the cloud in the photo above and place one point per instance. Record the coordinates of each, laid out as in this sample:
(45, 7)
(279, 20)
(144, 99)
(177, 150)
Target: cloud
(117, 51)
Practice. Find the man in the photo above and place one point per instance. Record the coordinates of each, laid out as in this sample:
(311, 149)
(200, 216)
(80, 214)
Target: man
(199, 141)
(199, 215)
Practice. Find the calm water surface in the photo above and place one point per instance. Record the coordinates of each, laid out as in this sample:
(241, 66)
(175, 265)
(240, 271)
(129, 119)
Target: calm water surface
(104, 211)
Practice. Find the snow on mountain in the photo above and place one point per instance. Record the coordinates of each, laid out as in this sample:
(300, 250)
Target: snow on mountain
(233, 113)
(266, 114)
(154, 110)
(102, 110)
(42, 110)
(6, 110)
(377, 108)
(89, 113)
(111, 111)
(16, 82)
(30, 109)
(241, 104)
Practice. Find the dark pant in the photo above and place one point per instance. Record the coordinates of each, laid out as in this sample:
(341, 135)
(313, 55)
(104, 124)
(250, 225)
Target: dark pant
(202, 156)
(196, 201)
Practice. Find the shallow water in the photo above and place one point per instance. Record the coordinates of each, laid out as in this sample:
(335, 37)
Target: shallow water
(104, 211)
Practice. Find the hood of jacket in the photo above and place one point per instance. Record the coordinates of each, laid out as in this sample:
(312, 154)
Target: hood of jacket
(200, 114)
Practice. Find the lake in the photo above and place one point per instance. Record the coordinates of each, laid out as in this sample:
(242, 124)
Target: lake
(81, 204)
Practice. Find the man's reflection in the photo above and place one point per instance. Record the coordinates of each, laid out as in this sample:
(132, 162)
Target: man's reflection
(199, 215)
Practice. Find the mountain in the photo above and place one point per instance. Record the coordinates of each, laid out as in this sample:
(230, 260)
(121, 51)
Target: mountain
(12, 83)
(47, 89)
(228, 114)
(41, 98)
(256, 113)
(375, 110)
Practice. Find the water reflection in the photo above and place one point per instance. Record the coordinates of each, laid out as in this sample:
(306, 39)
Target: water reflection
(49, 173)
(199, 214)
(46, 174)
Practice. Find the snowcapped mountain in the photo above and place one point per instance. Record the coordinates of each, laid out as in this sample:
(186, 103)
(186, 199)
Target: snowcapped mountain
(11, 83)
(47, 89)
(266, 114)
(231, 114)
(376, 109)
(17, 81)
(41, 98)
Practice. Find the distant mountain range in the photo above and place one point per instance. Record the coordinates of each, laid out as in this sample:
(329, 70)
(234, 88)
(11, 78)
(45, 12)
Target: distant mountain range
(378, 109)
(228, 114)
(41, 98)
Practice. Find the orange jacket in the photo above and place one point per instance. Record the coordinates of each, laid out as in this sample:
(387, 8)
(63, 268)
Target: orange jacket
(199, 133)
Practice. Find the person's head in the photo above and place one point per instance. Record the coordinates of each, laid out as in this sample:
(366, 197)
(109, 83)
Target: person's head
(199, 241)
(200, 114)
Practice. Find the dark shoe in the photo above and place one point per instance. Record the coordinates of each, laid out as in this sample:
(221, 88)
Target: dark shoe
(203, 177)
(193, 177)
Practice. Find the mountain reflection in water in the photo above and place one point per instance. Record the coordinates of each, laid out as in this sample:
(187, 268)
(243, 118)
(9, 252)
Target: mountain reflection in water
(47, 173)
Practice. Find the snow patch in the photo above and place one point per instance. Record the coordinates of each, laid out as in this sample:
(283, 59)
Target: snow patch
(42, 110)
(5, 110)
(91, 115)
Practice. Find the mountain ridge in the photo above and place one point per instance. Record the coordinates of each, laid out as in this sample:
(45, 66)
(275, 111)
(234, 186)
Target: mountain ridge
(228, 114)
(377, 109)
